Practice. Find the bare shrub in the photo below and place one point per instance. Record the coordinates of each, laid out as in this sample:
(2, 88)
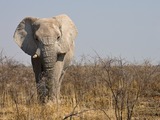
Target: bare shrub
(16, 83)
(111, 84)
(94, 88)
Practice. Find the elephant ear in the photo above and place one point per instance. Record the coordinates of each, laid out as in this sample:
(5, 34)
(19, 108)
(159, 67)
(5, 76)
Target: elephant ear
(69, 32)
(24, 36)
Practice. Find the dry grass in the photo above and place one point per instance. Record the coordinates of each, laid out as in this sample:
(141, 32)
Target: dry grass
(106, 89)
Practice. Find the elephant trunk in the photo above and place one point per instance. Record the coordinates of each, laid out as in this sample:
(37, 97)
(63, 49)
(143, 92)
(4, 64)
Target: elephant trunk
(49, 58)
(48, 53)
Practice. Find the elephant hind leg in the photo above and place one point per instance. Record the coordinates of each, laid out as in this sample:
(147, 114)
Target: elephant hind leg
(62, 76)
(60, 81)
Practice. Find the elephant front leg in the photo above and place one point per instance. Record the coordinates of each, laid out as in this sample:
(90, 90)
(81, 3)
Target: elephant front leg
(41, 88)
(53, 90)
(53, 84)
(40, 79)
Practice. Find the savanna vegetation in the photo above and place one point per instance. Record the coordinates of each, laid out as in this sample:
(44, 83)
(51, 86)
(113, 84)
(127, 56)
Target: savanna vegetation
(92, 89)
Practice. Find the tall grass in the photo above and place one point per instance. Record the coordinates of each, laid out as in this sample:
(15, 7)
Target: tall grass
(104, 89)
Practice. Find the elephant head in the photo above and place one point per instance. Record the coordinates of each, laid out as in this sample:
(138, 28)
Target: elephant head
(50, 43)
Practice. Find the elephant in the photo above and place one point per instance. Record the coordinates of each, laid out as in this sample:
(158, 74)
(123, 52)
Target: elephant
(50, 42)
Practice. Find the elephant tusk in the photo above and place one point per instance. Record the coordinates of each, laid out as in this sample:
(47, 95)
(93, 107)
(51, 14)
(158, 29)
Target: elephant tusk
(35, 56)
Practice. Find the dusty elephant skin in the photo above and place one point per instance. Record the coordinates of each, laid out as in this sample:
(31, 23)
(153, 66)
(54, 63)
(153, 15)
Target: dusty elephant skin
(50, 43)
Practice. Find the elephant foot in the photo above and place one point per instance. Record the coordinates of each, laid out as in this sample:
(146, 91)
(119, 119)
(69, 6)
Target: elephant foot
(51, 102)
(54, 99)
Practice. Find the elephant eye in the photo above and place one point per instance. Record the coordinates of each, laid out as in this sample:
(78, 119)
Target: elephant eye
(58, 37)
(35, 37)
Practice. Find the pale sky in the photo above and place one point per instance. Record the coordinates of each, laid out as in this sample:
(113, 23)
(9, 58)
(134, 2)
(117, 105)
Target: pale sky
(128, 29)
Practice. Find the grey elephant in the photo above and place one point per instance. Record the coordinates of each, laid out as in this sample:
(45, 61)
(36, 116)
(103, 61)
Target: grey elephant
(50, 43)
